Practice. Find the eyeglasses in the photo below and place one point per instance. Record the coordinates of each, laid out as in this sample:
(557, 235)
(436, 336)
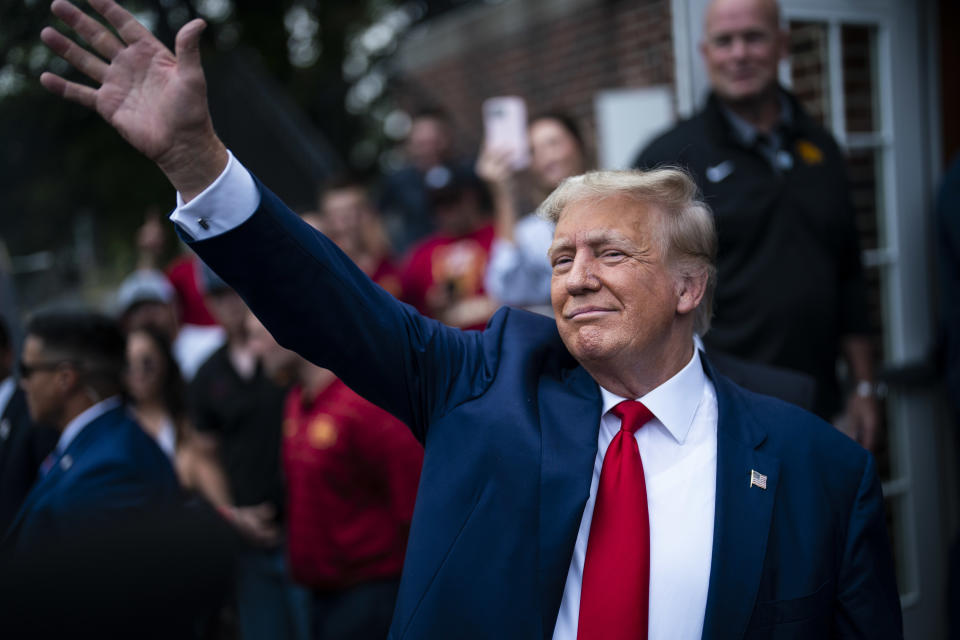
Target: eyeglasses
(27, 370)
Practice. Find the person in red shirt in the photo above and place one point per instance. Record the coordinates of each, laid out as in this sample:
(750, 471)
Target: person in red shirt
(348, 217)
(184, 275)
(352, 471)
(351, 468)
(183, 272)
(443, 277)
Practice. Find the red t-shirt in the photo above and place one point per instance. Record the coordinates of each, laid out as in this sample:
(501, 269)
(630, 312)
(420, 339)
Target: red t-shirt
(183, 273)
(456, 263)
(352, 471)
(388, 276)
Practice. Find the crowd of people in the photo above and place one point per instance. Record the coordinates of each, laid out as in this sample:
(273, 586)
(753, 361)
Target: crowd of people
(184, 403)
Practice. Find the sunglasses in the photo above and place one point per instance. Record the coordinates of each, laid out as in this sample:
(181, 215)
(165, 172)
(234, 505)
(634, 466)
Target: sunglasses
(27, 370)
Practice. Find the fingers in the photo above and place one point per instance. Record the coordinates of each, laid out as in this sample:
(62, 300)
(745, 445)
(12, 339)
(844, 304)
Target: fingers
(264, 510)
(76, 55)
(122, 20)
(94, 33)
(187, 46)
(69, 90)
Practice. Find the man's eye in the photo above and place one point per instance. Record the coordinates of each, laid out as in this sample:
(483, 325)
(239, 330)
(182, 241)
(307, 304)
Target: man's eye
(613, 253)
(561, 261)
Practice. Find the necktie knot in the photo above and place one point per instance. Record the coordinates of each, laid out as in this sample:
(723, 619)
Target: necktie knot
(633, 415)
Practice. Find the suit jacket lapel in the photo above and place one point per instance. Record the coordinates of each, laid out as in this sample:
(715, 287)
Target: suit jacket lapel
(62, 464)
(743, 515)
(570, 408)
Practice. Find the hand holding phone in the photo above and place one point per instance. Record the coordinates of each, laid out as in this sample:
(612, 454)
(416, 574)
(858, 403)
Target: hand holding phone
(505, 129)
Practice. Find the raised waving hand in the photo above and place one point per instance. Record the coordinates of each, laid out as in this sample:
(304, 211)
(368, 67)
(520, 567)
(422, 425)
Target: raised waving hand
(155, 99)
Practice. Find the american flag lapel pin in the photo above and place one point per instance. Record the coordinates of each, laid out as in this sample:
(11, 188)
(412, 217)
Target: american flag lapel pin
(757, 479)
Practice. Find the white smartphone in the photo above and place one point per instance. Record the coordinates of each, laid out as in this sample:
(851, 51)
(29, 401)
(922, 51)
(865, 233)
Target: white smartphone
(505, 127)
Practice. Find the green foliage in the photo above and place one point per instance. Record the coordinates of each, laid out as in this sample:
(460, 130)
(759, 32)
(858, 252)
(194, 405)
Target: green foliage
(58, 160)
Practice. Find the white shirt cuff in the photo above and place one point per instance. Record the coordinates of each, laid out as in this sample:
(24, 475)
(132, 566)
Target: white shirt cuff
(222, 206)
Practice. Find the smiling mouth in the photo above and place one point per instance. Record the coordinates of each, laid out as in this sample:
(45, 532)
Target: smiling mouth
(587, 313)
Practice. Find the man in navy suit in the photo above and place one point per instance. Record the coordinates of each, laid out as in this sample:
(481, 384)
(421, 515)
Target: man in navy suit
(104, 468)
(588, 477)
(23, 445)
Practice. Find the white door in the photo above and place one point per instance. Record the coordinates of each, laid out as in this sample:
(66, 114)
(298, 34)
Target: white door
(857, 66)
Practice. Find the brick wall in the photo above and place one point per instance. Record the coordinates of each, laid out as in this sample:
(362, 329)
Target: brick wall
(557, 55)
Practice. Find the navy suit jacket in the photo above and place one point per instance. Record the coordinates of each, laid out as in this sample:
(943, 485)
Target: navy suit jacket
(509, 421)
(111, 471)
(23, 446)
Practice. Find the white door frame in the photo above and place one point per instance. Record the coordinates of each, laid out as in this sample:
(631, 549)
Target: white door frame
(909, 141)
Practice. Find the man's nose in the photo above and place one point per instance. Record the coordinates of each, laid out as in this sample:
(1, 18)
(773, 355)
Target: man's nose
(738, 48)
(581, 277)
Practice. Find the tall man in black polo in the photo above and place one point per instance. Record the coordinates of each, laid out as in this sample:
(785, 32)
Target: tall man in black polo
(791, 289)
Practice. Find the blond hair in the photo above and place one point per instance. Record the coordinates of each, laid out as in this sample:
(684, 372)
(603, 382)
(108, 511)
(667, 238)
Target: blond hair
(688, 235)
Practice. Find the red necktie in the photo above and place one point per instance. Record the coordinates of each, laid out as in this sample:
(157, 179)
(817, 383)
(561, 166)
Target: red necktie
(615, 590)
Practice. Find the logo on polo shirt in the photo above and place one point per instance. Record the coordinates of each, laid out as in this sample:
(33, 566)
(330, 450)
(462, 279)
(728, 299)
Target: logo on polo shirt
(322, 432)
(718, 172)
(809, 152)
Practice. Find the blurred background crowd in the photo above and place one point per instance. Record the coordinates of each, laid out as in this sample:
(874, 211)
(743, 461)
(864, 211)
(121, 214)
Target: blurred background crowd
(421, 136)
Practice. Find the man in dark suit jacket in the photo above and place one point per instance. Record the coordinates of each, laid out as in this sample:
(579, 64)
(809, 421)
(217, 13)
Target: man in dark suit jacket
(105, 467)
(536, 516)
(22, 445)
(83, 553)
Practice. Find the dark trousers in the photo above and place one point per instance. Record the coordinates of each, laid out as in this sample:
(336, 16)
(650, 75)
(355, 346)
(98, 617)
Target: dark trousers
(362, 612)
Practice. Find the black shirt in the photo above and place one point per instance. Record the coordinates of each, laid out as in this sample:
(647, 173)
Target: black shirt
(790, 283)
(246, 416)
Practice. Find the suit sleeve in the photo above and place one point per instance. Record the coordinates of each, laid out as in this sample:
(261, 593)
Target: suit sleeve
(315, 301)
(868, 604)
(392, 456)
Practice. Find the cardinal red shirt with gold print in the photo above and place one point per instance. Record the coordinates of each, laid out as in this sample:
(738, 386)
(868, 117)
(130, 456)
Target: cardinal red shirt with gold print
(352, 471)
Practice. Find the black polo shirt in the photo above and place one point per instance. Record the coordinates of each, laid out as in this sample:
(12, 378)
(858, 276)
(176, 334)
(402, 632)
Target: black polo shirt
(790, 282)
(246, 416)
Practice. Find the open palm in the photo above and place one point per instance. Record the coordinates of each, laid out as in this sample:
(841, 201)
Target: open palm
(156, 100)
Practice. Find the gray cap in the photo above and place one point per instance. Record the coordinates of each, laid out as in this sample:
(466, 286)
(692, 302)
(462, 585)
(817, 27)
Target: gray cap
(143, 285)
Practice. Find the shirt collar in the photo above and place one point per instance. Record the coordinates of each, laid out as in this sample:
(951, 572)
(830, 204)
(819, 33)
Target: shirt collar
(75, 426)
(7, 387)
(745, 133)
(673, 403)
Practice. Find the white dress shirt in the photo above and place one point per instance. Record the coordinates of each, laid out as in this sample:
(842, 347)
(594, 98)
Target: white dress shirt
(225, 204)
(679, 452)
(75, 426)
(678, 448)
(7, 387)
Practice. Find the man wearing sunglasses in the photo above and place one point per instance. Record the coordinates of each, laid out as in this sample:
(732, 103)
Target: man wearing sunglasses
(104, 467)
(22, 444)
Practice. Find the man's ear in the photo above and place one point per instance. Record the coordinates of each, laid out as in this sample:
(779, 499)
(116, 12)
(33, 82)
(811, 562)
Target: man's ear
(66, 379)
(691, 287)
